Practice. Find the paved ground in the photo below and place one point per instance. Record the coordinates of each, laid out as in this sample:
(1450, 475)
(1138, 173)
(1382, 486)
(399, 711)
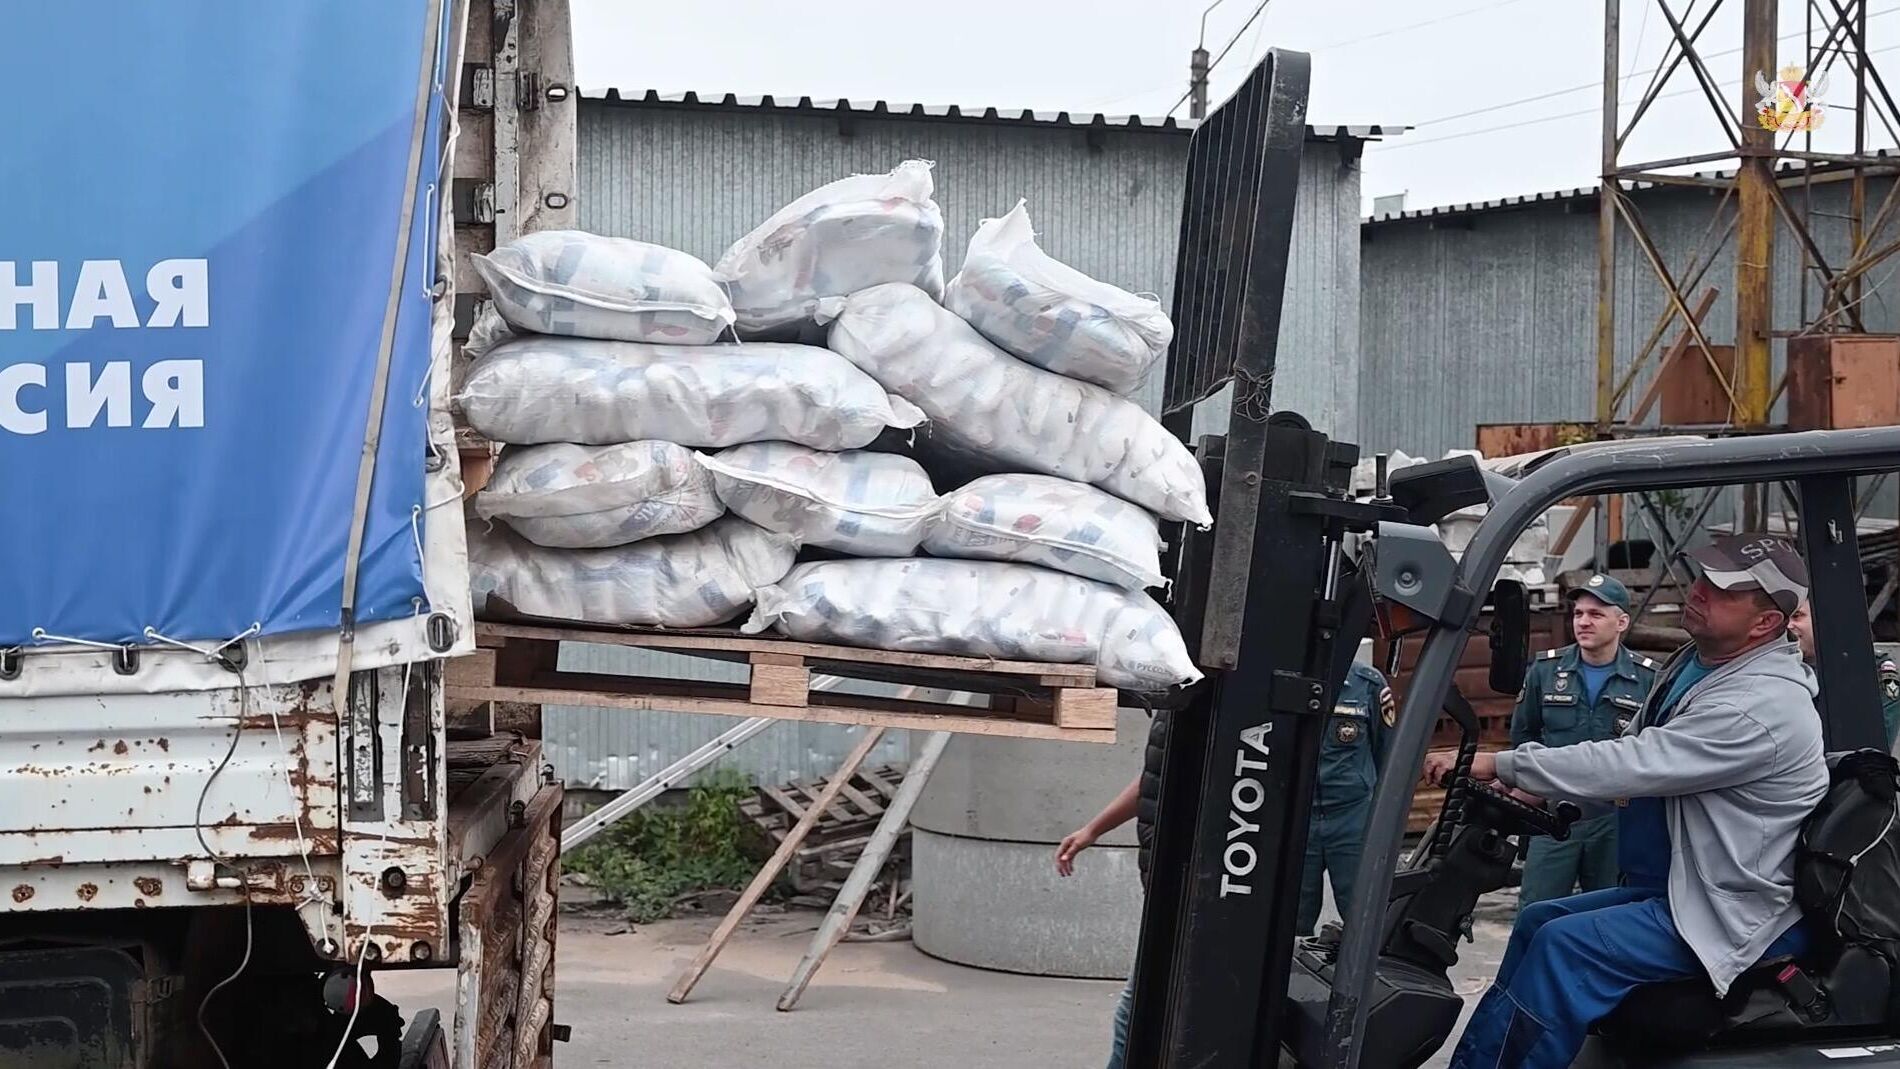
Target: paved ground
(873, 1006)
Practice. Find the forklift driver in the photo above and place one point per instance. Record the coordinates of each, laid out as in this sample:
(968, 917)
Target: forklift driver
(1711, 784)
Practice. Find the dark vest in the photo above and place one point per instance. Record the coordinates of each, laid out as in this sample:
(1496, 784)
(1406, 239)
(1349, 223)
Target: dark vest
(1148, 799)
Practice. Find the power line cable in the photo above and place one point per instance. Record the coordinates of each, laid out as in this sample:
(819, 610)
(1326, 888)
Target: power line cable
(1223, 54)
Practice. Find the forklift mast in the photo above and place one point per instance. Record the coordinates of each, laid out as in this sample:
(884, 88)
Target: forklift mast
(1274, 607)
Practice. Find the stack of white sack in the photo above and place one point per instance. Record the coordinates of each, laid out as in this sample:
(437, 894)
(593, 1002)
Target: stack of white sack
(1050, 314)
(697, 579)
(1048, 559)
(837, 239)
(858, 503)
(656, 483)
(582, 285)
(985, 401)
(540, 388)
(981, 609)
(593, 496)
(605, 378)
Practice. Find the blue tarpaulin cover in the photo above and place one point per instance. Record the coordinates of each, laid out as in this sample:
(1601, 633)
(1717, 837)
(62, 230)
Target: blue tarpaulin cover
(200, 207)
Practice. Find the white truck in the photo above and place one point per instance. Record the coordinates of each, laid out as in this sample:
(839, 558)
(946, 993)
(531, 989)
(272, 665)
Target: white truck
(233, 276)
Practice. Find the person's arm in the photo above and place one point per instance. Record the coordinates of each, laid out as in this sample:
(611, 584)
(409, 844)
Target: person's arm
(1708, 749)
(1527, 719)
(1120, 810)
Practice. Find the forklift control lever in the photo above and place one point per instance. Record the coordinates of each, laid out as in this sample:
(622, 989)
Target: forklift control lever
(1495, 809)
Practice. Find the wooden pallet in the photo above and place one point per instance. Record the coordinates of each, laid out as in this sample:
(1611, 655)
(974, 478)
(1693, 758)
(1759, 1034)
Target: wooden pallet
(518, 662)
(831, 847)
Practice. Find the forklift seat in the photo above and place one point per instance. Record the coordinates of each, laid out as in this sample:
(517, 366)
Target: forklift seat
(1778, 999)
(1847, 880)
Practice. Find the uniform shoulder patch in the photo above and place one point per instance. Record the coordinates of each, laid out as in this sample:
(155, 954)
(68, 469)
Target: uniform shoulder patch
(1550, 655)
(1388, 707)
(1647, 663)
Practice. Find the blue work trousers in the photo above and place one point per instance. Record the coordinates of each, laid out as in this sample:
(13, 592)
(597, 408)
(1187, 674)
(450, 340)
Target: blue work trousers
(1334, 841)
(1569, 963)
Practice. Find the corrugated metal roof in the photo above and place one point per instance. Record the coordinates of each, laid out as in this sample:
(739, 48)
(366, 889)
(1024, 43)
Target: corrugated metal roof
(1589, 192)
(896, 109)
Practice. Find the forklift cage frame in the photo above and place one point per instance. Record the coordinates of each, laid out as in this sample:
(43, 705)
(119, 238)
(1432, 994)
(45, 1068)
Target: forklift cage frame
(1823, 464)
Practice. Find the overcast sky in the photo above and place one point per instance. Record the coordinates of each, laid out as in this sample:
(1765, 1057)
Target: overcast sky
(1425, 65)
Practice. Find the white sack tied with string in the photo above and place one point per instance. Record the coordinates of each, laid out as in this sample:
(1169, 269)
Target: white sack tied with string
(1048, 313)
(980, 609)
(697, 579)
(845, 236)
(545, 389)
(583, 285)
(857, 502)
(592, 496)
(984, 400)
(1040, 519)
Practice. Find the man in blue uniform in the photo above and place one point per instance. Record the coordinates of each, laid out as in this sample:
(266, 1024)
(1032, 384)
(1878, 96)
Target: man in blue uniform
(1713, 783)
(1351, 754)
(1581, 692)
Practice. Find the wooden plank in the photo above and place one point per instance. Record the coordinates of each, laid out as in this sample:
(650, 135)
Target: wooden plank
(781, 684)
(469, 720)
(838, 919)
(1091, 708)
(836, 811)
(852, 709)
(524, 717)
(865, 803)
(785, 801)
(770, 871)
(686, 641)
(474, 670)
(879, 783)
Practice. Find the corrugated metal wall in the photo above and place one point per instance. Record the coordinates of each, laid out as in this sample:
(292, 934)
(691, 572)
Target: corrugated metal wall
(698, 178)
(1491, 318)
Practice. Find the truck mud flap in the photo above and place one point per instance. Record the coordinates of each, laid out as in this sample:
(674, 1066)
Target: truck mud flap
(504, 1000)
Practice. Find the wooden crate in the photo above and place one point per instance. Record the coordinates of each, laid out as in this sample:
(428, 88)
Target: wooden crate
(833, 844)
(518, 663)
(1842, 381)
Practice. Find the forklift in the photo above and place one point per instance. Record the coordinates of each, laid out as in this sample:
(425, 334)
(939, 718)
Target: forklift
(1275, 599)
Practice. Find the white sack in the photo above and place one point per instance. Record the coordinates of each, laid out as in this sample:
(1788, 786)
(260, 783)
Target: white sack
(1040, 519)
(593, 496)
(980, 609)
(985, 400)
(849, 235)
(546, 389)
(583, 285)
(864, 504)
(1057, 318)
(698, 579)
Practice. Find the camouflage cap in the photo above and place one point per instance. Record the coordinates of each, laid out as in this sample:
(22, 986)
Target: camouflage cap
(1755, 562)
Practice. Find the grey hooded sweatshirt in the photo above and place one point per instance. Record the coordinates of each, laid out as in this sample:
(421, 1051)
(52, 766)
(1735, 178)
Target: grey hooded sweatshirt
(1739, 766)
